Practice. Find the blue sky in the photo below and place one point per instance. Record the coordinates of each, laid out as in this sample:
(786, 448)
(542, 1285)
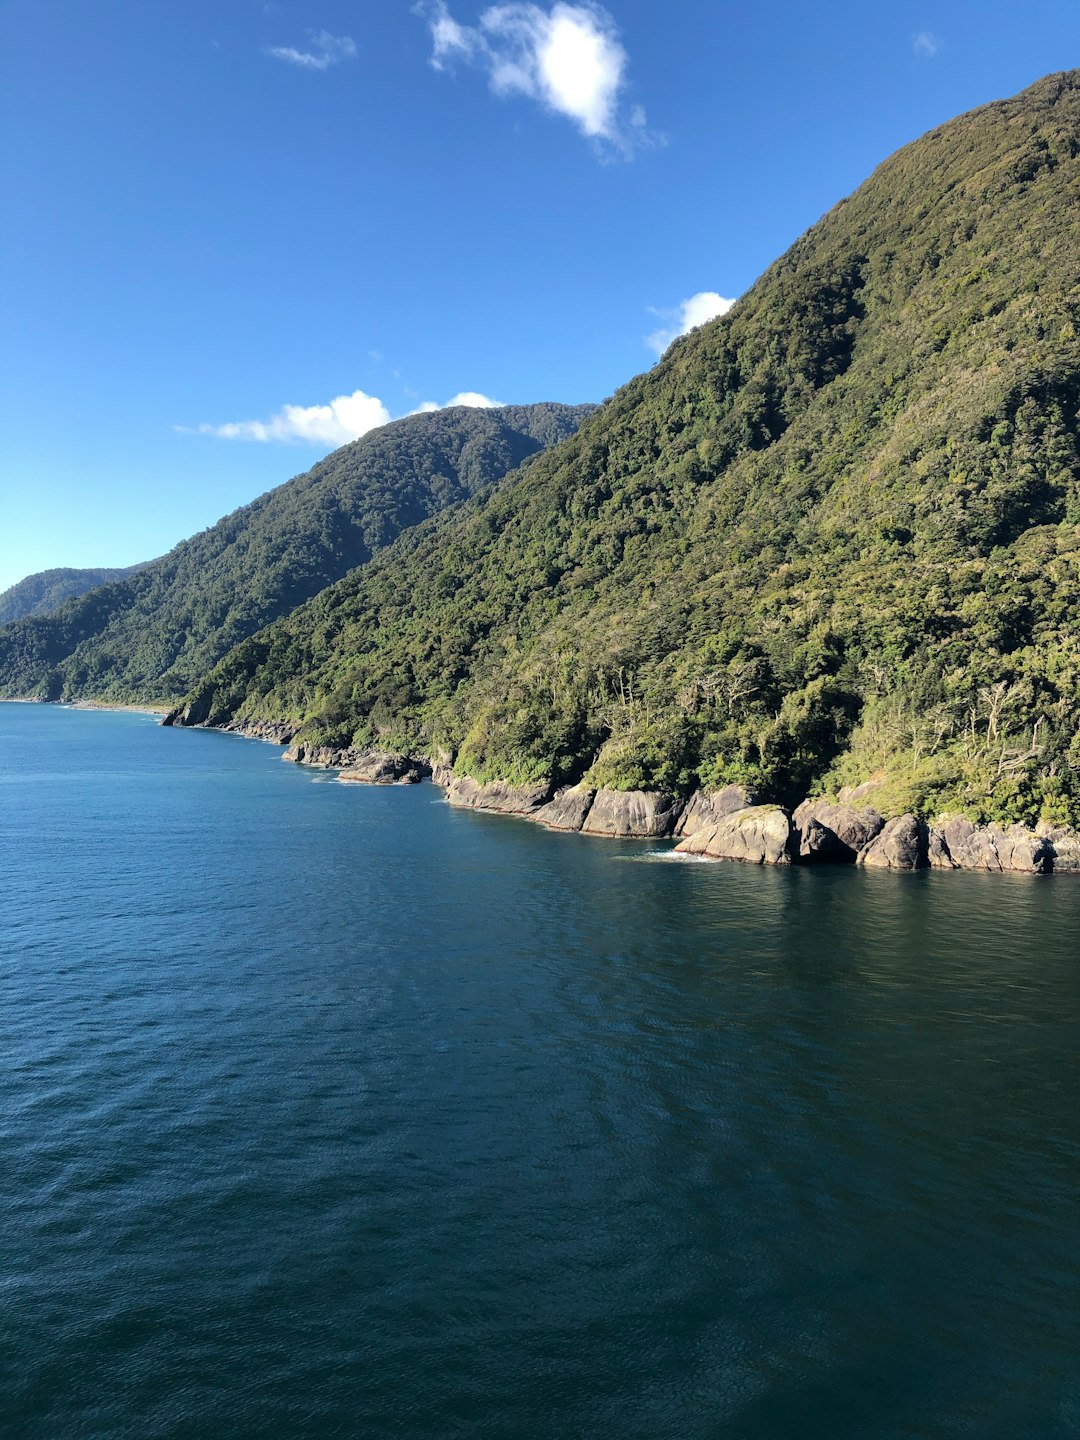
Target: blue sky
(220, 218)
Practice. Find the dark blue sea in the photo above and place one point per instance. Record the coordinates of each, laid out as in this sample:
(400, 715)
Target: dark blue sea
(329, 1111)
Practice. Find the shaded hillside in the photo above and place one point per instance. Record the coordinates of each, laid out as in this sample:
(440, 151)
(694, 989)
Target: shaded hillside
(46, 591)
(833, 534)
(150, 636)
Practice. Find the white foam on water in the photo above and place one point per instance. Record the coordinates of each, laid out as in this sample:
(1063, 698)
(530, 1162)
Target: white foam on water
(676, 857)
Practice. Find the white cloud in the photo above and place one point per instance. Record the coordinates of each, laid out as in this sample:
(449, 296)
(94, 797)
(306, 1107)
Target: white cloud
(326, 50)
(344, 419)
(447, 36)
(569, 58)
(694, 311)
(474, 398)
(463, 397)
(926, 44)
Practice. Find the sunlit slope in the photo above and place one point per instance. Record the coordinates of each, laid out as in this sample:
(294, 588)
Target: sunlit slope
(834, 534)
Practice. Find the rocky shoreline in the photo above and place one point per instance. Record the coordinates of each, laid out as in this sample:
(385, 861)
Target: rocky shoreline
(727, 824)
(730, 824)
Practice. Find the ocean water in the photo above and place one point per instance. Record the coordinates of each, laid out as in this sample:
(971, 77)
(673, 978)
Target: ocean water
(328, 1111)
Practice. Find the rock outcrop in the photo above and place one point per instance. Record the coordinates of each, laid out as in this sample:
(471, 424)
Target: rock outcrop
(182, 715)
(706, 807)
(901, 844)
(567, 809)
(276, 732)
(834, 832)
(325, 757)
(196, 715)
(381, 768)
(937, 852)
(621, 814)
(369, 767)
(758, 835)
(630, 813)
(1064, 846)
(956, 843)
(820, 845)
(185, 716)
(496, 795)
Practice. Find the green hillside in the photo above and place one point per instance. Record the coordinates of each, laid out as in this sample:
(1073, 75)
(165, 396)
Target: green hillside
(832, 535)
(46, 591)
(149, 637)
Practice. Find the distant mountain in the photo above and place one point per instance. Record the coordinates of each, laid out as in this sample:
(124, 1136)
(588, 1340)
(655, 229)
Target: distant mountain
(833, 536)
(46, 591)
(148, 637)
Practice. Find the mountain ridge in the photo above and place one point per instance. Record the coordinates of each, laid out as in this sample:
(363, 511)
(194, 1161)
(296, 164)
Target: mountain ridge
(45, 591)
(149, 636)
(832, 534)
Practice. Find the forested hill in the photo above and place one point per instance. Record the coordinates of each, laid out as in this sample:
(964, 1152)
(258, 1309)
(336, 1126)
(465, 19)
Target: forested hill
(833, 534)
(46, 591)
(151, 635)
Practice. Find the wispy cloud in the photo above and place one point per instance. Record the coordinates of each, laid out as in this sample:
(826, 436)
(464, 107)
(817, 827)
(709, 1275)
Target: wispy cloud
(569, 59)
(926, 44)
(343, 419)
(326, 50)
(687, 315)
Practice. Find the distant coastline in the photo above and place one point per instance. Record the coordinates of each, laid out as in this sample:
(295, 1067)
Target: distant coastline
(86, 705)
(109, 705)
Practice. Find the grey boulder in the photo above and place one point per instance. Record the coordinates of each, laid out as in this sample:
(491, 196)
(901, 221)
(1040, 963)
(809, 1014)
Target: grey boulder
(758, 835)
(1065, 846)
(496, 795)
(901, 844)
(380, 768)
(706, 807)
(632, 813)
(567, 809)
(837, 832)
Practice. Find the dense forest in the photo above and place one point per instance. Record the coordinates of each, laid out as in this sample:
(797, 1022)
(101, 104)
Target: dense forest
(46, 591)
(834, 534)
(150, 636)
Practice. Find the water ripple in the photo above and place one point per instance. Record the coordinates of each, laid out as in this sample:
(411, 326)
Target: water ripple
(329, 1111)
